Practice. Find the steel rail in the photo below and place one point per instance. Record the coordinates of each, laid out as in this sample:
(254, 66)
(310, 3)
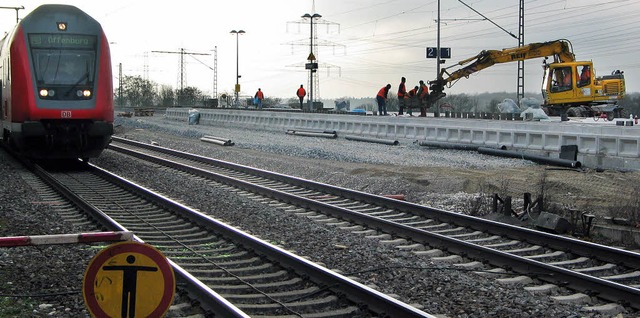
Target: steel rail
(356, 292)
(601, 252)
(207, 297)
(605, 289)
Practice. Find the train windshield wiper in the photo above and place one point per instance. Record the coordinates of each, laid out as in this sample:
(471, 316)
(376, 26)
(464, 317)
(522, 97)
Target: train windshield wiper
(82, 78)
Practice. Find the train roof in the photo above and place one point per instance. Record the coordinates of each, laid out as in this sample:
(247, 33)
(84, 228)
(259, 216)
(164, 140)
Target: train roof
(46, 17)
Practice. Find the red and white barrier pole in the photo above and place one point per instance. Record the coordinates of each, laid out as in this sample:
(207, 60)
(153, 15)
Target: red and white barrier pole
(65, 239)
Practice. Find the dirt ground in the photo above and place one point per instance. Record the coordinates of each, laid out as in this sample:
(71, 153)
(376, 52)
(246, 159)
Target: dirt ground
(607, 193)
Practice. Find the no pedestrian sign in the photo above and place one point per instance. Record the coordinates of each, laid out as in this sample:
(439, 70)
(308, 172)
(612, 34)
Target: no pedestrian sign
(129, 279)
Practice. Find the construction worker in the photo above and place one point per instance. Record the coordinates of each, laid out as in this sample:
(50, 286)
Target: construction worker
(413, 92)
(423, 93)
(381, 98)
(301, 93)
(585, 76)
(258, 98)
(566, 80)
(402, 94)
(412, 95)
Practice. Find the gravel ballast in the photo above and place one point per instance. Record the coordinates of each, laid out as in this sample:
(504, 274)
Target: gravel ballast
(423, 175)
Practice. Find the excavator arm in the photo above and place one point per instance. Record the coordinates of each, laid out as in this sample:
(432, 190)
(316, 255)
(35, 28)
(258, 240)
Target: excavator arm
(560, 50)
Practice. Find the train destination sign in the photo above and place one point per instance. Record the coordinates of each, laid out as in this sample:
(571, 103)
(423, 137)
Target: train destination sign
(129, 279)
(48, 40)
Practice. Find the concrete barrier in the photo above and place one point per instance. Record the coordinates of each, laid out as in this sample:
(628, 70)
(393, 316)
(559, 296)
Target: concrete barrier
(600, 145)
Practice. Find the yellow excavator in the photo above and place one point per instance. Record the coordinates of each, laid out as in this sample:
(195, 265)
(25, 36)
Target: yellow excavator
(568, 87)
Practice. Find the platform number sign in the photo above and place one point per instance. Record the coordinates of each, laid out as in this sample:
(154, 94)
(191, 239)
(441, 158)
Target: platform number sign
(445, 52)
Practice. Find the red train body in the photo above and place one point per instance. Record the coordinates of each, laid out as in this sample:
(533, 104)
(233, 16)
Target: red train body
(57, 86)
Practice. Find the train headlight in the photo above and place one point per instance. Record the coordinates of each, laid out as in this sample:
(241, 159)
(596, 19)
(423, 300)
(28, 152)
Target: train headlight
(47, 92)
(83, 93)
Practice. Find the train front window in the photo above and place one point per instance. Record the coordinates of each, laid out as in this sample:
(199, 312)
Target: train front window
(63, 60)
(58, 67)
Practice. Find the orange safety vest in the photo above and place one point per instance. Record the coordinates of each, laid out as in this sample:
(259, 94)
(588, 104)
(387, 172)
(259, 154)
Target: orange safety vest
(383, 92)
(259, 95)
(402, 90)
(585, 75)
(567, 79)
(425, 91)
(301, 92)
(413, 92)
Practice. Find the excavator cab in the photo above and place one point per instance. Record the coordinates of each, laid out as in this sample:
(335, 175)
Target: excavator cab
(572, 87)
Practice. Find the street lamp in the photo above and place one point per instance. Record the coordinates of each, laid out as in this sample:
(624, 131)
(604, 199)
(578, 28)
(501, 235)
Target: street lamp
(313, 65)
(237, 88)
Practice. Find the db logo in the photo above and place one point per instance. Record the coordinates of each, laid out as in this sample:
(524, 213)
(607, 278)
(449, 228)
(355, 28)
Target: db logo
(65, 114)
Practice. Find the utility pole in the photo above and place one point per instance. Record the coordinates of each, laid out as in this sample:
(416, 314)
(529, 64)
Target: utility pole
(312, 66)
(15, 8)
(520, 39)
(520, 44)
(438, 46)
(313, 84)
(215, 72)
(120, 80)
(182, 53)
(237, 88)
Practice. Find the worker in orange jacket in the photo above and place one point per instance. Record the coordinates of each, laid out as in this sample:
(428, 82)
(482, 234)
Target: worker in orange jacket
(423, 93)
(411, 94)
(381, 98)
(585, 75)
(258, 97)
(301, 93)
(402, 94)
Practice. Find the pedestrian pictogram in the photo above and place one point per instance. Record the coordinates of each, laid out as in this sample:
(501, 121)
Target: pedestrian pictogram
(128, 280)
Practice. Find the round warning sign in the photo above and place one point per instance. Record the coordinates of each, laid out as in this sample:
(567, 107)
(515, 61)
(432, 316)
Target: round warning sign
(128, 279)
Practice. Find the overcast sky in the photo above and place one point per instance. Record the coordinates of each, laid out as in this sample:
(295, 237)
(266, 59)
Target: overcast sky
(364, 44)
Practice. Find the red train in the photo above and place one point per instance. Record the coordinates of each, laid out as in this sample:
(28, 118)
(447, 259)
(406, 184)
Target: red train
(57, 87)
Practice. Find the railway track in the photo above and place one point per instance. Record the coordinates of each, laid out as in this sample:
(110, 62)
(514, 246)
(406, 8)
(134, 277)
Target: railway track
(230, 273)
(553, 263)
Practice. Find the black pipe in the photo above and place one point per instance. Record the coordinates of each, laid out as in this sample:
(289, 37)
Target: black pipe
(312, 134)
(314, 130)
(217, 141)
(449, 145)
(379, 141)
(534, 158)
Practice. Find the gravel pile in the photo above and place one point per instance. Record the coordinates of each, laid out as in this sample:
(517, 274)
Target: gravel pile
(374, 168)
